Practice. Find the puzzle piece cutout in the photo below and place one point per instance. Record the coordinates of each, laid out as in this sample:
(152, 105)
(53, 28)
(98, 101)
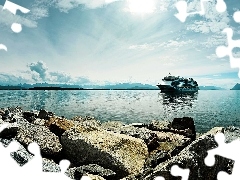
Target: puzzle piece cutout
(32, 169)
(223, 51)
(16, 27)
(177, 171)
(227, 150)
(236, 16)
(183, 14)
(3, 47)
(12, 7)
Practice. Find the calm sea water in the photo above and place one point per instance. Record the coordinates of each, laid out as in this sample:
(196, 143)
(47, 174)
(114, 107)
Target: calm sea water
(208, 108)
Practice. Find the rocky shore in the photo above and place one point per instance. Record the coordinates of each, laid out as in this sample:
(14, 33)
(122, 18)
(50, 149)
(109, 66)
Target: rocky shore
(113, 150)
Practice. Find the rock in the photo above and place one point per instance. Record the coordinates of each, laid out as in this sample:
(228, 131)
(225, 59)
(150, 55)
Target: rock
(187, 124)
(9, 132)
(22, 156)
(2, 112)
(164, 126)
(139, 125)
(29, 116)
(112, 125)
(50, 166)
(43, 114)
(89, 145)
(95, 177)
(5, 142)
(59, 125)
(94, 169)
(153, 139)
(157, 158)
(87, 121)
(49, 143)
(149, 137)
(10, 112)
(231, 133)
(40, 122)
(192, 157)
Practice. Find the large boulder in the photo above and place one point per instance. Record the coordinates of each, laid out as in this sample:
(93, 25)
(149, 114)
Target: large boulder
(154, 139)
(149, 137)
(91, 145)
(48, 142)
(193, 156)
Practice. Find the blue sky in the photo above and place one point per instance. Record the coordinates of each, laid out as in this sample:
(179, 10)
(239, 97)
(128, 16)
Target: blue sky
(109, 41)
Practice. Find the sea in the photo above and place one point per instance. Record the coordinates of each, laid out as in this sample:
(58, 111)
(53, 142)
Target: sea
(208, 108)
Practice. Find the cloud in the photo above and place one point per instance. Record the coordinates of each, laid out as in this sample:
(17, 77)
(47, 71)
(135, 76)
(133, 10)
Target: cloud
(171, 45)
(214, 41)
(66, 5)
(12, 79)
(40, 68)
(40, 73)
(212, 57)
(142, 47)
(59, 77)
(213, 22)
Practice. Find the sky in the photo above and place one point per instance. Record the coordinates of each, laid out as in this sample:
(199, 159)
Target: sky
(115, 41)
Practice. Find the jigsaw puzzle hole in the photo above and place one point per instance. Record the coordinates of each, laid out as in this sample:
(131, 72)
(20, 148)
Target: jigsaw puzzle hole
(221, 51)
(17, 28)
(159, 178)
(236, 16)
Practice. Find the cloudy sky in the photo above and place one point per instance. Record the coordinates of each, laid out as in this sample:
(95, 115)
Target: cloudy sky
(108, 41)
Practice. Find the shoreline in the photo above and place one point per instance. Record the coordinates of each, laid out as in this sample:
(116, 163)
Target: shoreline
(111, 150)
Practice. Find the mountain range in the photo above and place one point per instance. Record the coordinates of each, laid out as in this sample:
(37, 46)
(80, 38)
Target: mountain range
(134, 86)
(236, 87)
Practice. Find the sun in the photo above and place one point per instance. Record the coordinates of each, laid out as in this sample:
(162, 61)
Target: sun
(141, 6)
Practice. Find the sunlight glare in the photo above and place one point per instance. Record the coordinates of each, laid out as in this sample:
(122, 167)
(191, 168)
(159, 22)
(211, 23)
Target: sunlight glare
(141, 6)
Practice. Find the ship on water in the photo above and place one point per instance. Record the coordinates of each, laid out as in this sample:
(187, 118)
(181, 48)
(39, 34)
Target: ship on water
(178, 84)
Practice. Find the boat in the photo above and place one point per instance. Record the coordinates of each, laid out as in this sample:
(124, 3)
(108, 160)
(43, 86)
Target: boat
(178, 84)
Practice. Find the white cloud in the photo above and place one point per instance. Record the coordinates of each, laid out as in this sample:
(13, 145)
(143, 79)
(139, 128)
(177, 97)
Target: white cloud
(215, 41)
(142, 47)
(171, 45)
(66, 5)
(212, 57)
(213, 21)
(40, 68)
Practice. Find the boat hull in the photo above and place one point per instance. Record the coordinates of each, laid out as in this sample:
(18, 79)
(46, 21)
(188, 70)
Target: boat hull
(167, 88)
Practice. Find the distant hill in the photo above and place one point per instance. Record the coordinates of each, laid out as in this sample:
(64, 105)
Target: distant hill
(236, 87)
(210, 88)
(46, 86)
(123, 86)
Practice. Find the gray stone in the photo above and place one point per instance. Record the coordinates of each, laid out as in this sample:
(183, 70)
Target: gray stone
(43, 114)
(50, 166)
(155, 125)
(10, 131)
(77, 172)
(88, 145)
(48, 142)
(22, 156)
(192, 157)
